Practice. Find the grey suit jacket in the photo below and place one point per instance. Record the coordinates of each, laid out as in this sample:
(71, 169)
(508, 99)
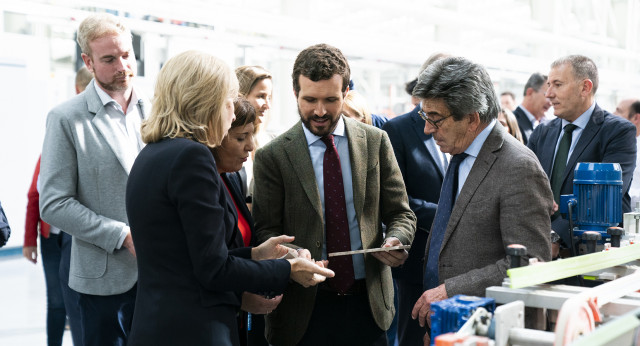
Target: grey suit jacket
(505, 200)
(83, 177)
(287, 201)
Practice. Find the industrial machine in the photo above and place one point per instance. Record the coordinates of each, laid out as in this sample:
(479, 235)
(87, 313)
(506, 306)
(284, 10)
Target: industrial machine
(604, 253)
(594, 210)
(608, 314)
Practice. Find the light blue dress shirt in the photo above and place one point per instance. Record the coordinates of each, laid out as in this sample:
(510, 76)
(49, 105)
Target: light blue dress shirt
(317, 149)
(581, 123)
(473, 150)
(441, 159)
(532, 119)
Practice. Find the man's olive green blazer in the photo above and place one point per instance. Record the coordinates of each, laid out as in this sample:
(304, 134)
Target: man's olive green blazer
(287, 201)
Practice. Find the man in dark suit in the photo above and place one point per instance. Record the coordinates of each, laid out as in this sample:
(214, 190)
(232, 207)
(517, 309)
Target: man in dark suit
(483, 205)
(534, 104)
(595, 136)
(331, 181)
(420, 160)
(632, 112)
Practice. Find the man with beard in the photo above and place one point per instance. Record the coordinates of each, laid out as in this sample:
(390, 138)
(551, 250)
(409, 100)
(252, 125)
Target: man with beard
(90, 144)
(330, 181)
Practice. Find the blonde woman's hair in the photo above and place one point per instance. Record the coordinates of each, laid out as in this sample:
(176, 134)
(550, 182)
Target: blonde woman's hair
(358, 105)
(189, 100)
(512, 123)
(249, 76)
(97, 26)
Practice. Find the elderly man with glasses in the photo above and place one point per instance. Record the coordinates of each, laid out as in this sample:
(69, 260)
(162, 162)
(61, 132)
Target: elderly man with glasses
(484, 205)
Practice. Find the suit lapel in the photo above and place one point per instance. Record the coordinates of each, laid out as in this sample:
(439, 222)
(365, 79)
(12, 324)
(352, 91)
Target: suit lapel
(427, 141)
(234, 183)
(298, 154)
(236, 240)
(429, 144)
(547, 152)
(588, 134)
(358, 155)
(523, 121)
(435, 154)
(112, 134)
(479, 171)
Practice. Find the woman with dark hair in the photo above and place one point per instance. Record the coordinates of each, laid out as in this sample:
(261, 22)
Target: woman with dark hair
(230, 156)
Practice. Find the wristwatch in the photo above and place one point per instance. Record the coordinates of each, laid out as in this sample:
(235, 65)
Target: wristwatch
(555, 238)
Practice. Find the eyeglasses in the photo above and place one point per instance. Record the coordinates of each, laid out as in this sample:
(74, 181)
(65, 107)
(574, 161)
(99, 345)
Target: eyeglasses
(426, 118)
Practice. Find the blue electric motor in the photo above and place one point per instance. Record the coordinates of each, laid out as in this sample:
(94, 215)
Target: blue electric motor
(596, 203)
(447, 316)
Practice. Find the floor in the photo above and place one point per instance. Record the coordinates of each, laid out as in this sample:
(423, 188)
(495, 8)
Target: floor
(23, 305)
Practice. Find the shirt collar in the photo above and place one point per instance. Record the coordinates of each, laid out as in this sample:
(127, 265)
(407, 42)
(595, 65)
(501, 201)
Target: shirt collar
(530, 116)
(583, 119)
(311, 138)
(478, 142)
(106, 99)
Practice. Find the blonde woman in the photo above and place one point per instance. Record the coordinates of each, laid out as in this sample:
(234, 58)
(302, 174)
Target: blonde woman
(355, 106)
(509, 121)
(256, 85)
(191, 262)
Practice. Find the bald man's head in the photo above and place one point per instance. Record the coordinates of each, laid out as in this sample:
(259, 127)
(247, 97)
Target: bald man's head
(622, 109)
(634, 115)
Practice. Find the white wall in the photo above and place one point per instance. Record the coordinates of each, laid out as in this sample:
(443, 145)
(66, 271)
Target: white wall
(28, 90)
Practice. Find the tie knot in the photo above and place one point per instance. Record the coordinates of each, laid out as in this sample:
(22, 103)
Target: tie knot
(457, 158)
(569, 128)
(328, 140)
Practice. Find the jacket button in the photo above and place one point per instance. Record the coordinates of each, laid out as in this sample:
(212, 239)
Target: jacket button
(318, 243)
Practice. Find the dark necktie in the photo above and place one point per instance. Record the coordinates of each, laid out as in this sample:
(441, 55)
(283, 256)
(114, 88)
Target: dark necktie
(443, 213)
(337, 225)
(560, 162)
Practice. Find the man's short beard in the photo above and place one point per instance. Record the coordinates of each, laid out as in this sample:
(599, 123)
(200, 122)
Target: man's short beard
(307, 124)
(114, 86)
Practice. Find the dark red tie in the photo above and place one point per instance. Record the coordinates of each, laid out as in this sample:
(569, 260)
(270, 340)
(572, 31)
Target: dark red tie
(337, 225)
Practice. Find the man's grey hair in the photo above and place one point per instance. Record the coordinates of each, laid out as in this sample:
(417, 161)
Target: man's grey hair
(583, 68)
(464, 86)
(431, 59)
(535, 82)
